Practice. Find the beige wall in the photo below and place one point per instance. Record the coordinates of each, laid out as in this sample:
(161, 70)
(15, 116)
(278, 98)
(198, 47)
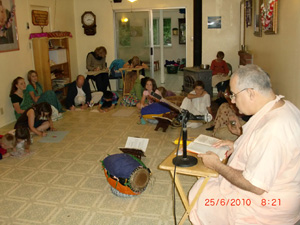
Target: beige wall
(278, 54)
(227, 38)
(105, 25)
(17, 63)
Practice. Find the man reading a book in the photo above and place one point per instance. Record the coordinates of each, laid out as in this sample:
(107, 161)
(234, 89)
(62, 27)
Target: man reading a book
(261, 182)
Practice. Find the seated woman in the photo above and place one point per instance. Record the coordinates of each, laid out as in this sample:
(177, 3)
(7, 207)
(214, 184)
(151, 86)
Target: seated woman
(135, 62)
(136, 92)
(146, 98)
(19, 97)
(37, 118)
(35, 90)
(197, 102)
(96, 61)
(220, 72)
(131, 76)
(228, 117)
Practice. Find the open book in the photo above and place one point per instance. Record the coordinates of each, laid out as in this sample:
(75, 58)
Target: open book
(203, 144)
(135, 146)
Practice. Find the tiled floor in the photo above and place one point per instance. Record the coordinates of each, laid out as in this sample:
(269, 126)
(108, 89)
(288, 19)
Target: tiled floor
(63, 183)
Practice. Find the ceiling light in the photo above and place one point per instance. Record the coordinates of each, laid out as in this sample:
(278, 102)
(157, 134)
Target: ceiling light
(132, 1)
(124, 20)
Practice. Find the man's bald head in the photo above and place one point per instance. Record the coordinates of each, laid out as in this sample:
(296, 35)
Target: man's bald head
(80, 81)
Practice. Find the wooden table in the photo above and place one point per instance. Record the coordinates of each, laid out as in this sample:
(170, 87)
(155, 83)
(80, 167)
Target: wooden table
(199, 170)
(127, 82)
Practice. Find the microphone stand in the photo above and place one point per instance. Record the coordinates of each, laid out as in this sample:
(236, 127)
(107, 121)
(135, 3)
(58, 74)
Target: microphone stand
(184, 160)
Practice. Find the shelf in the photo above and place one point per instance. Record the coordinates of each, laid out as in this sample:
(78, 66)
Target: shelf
(60, 64)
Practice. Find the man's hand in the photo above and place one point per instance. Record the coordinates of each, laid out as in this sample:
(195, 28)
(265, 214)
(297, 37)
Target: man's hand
(225, 143)
(210, 159)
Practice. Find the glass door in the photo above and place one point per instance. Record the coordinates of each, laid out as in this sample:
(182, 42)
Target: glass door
(134, 37)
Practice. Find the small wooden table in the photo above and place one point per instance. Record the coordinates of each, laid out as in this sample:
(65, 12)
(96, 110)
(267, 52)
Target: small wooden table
(199, 170)
(128, 83)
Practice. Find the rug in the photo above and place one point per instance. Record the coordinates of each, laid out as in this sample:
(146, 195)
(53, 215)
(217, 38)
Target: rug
(124, 112)
(54, 137)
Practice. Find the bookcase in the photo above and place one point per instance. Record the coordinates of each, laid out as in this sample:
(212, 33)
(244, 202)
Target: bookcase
(52, 63)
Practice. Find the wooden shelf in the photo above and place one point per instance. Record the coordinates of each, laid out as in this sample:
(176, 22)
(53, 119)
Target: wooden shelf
(42, 53)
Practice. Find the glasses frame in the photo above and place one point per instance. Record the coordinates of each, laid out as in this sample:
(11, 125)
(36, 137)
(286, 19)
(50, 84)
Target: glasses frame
(233, 96)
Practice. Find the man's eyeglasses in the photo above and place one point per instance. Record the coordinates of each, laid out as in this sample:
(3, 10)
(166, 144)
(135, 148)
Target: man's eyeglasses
(232, 96)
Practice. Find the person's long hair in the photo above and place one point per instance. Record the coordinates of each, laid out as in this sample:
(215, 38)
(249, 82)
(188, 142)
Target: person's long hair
(30, 72)
(154, 86)
(43, 107)
(13, 85)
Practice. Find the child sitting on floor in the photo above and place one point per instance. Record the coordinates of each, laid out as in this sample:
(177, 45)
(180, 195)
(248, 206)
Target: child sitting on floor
(149, 88)
(23, 139)
(7, 142)
(108, 101)
(197, 102)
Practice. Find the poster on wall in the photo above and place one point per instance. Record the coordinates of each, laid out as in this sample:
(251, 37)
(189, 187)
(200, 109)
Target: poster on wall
(214, 22)
(8, 26)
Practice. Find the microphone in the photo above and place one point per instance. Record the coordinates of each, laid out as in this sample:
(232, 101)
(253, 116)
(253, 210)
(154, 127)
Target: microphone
(207, 117)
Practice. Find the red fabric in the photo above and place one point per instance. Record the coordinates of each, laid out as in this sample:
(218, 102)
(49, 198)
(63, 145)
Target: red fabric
(51, 34)
(2, 150)
(219, 67)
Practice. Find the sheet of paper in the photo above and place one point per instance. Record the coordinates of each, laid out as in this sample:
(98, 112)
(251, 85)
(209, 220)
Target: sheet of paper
(95, 110)
(138, 143)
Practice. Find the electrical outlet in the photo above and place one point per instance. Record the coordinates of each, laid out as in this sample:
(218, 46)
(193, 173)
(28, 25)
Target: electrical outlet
(1, 111)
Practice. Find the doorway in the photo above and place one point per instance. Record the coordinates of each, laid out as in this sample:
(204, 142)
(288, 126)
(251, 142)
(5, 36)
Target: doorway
(152, 35)
(133, 36)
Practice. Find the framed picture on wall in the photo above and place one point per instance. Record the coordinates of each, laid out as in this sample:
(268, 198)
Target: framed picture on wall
(269, 16)
(257, 18)
(248, 14)
(182, 31)
(9, 40)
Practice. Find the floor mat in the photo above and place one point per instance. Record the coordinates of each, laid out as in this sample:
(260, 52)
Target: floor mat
(124, 112)
(54, 137)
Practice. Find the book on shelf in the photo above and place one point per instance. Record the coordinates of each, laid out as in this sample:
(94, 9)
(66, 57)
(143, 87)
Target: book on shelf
(204, 143)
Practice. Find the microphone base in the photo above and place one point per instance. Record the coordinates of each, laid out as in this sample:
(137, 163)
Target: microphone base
(185, 162)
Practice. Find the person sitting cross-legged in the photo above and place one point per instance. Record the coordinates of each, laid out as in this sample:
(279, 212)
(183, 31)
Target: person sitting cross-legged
(79, 94)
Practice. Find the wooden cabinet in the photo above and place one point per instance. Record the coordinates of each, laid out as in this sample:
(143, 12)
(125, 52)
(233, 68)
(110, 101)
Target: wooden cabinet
(52, 62)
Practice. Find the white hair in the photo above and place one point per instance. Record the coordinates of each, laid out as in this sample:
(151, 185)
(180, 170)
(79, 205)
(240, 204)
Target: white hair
(252, 76)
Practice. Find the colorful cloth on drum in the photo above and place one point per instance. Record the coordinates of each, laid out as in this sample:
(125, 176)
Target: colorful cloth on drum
(119, 168)
(155, 109)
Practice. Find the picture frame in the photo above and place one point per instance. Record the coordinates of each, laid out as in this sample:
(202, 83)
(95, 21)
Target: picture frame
(214, 22)
(270, 25)
(257, 18)
(248, 12)
(182, 31)
(9, 40)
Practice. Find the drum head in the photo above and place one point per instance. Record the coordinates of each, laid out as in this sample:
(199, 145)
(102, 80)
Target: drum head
(139, 179)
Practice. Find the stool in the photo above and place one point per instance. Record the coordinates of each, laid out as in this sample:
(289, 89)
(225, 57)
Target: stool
(156, 65)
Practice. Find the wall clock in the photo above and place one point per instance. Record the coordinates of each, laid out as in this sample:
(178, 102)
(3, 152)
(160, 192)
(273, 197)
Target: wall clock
(88, 20)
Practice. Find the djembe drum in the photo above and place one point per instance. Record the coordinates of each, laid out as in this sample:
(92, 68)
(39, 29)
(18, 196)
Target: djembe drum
(127, 175)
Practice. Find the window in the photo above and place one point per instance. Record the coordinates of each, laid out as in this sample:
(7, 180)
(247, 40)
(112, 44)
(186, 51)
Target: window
(167, 31)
